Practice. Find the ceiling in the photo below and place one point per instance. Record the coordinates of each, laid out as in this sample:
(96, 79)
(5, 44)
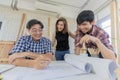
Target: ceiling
(68, 8)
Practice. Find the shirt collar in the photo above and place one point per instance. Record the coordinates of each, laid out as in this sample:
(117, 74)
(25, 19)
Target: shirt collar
(31, 39)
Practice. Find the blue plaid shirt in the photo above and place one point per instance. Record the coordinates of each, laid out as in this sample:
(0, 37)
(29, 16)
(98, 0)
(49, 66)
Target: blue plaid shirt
(27, 44)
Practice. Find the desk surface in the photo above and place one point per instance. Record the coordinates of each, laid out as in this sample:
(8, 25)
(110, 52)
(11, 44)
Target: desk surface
(23, 71)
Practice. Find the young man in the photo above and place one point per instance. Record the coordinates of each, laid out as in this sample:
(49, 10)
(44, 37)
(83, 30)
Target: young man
(93, 36)
(32, 50)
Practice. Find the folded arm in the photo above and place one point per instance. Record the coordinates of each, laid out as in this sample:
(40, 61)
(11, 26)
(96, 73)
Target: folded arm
(39, 61)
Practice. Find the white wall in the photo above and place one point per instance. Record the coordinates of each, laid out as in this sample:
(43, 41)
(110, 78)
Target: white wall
(10, 24)
(72, 26)
(11, 21)
(103, 13)
(119, 11)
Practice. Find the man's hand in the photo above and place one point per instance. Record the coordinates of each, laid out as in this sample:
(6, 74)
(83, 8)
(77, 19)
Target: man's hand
(41, 62)
(88, 38)
(44, 58)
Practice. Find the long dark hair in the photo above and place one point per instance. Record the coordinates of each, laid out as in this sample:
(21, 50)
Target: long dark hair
(65, 30)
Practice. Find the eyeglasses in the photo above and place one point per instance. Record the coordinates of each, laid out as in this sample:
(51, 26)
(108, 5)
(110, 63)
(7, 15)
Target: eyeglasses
(36, 30)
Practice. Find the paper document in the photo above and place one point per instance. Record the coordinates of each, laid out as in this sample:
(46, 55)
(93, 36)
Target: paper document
(102, 67)
(5, 67)
(74, 65)
(53, 71)
(80, 64)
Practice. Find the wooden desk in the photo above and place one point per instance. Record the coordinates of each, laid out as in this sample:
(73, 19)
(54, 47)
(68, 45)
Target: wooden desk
(5, 47)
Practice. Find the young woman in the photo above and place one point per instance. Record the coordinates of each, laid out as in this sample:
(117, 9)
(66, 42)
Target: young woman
(61, 38)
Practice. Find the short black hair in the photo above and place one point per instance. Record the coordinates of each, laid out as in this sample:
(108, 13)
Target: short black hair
(33, 22)
(86, 15)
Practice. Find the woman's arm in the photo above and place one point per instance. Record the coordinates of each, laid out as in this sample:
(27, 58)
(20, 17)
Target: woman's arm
(53, 39)
(71, 34)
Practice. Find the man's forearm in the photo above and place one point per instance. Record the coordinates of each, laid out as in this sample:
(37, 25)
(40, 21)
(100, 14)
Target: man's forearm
(25, 54)
(23, 62)
(106, 53)
(38, 63)
(32, 55)
(48, 55)
(28, 54)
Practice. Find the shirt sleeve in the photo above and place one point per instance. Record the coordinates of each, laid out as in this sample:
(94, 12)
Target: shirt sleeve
(48, 47)
(105, 40)
(19, 46)
(77, 40)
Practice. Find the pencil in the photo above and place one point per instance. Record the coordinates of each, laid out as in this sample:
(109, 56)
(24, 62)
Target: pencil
(1, 77)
